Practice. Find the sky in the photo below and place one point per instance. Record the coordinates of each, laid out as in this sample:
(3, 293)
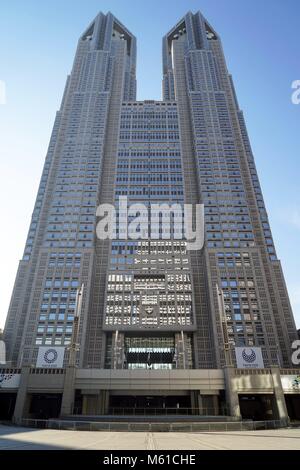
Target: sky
(37, 46)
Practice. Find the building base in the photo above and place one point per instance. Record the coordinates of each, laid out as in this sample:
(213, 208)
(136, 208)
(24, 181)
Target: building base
(148, 395)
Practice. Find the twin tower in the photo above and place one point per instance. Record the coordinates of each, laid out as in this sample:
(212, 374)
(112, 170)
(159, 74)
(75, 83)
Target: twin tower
(149, 304)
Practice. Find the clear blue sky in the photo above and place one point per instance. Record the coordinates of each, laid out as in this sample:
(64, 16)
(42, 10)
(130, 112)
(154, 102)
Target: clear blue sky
(37, 46)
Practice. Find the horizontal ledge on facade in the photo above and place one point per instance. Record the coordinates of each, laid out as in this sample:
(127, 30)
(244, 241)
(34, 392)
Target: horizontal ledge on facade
(47, 371)
(184, 374)
(46, 389)
(189, 379)
(252, 371)
(7, 370)
(127, 329)
(290, 371)
(255, 391)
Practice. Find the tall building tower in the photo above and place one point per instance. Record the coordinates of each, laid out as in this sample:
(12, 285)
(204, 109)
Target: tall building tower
(61, 251)
(149, 304)
(239, 261)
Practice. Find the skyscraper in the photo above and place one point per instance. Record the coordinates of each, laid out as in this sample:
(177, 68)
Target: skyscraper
(150, 303)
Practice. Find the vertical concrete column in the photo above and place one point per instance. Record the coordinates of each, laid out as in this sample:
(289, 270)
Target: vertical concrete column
(200, 403)
(85, 405)
(232, 398)
(279, 397)
(22, 399)
(67, 403)
(215, 400)
(105, 401)
(181, 352)
(194, 402)
(102, 407)
(118, 350)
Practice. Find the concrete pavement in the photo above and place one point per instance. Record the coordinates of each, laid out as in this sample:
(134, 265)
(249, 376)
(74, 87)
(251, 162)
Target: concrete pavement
(31, 439)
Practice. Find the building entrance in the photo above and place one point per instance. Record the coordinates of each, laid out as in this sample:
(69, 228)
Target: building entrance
(293, 406)
(7, 405)
(153, 404)
(257, 407)
(45, 405)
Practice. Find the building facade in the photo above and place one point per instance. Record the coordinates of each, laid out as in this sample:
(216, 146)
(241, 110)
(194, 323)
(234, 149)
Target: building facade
(153, 315)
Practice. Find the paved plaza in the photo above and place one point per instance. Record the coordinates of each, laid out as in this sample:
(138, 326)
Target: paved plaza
(16, 438)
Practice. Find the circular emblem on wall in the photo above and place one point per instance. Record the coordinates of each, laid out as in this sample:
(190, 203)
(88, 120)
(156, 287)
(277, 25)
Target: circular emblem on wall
(249, 356)
(50, 356)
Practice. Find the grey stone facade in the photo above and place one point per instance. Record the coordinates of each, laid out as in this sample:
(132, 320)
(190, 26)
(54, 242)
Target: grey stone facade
(149, 303)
